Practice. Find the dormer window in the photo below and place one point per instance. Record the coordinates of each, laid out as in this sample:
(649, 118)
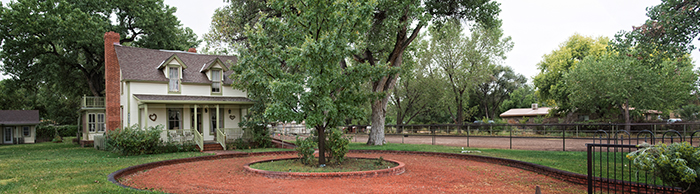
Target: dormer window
(215, 81)
(174, 79)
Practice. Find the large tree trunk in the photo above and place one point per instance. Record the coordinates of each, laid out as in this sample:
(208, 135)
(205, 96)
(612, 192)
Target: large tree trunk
(321, 144)
(386, 83)
(376, 135)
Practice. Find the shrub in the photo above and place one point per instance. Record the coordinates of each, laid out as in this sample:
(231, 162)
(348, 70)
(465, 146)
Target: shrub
(238, 144)
(675, 164)
(256, 136)
(305, 149)
(45, 131)
(337, 145)
(134, 141)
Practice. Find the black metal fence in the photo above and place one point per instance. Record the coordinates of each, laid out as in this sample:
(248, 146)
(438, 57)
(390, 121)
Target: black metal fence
(508, 133)
(609, 171)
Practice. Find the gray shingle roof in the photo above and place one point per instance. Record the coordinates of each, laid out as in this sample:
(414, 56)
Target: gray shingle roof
(140, 64)
(19, 117)
(199, 99)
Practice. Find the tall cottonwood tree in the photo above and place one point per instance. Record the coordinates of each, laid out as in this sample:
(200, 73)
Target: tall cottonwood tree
(466, 61)
(552, 89)
(623, 82)
(65, 37)
(395, 25)
(491, 94)
(299, 60)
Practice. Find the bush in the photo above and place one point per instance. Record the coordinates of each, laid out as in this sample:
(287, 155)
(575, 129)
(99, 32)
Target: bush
(675, 164)
(45, 131)
(305, 150)
(337, 145)
(135, 141)
(238, 144)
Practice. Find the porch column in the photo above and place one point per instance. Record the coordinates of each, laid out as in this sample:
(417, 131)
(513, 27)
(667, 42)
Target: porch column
(195, 118)
(218, 118)
(145, 110)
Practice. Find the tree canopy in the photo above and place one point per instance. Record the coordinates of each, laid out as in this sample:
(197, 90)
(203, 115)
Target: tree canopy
(551, 87)
(59, 44)
(299, 58)
(394, 26)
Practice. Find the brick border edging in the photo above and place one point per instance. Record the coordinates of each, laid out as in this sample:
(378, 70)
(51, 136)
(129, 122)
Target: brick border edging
(547, 171)
(397, 170)
(114, 176)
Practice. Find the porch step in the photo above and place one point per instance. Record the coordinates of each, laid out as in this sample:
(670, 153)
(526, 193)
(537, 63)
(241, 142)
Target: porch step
(211, 147)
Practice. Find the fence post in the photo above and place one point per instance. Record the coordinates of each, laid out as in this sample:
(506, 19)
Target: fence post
(468, 129)
(511, 137)
(563, 138)
(590, 167)
(433, 132)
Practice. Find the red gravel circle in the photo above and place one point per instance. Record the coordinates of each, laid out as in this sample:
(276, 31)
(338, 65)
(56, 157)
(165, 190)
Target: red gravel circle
(424, 174)
(356, 174)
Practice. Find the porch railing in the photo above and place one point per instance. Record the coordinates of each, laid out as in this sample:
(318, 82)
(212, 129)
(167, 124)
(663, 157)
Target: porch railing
(93, 102)
(233, 133)
(199, 139)
(221, 137)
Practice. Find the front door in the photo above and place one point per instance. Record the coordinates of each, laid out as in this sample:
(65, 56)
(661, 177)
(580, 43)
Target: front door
(199, 119)
(7, 135)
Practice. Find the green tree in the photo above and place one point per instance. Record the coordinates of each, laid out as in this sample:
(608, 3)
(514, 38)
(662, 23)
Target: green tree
(668, 33)
(55, 41)
(298, 60)
(418, 87)
(551, 86)
(395, 24)
(622, 82)
(689, 112)
(466, 62)
(57, 46)
(491, 94)
(522, 97)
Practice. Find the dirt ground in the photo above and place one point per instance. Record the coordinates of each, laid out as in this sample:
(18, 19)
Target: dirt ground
(423, 174)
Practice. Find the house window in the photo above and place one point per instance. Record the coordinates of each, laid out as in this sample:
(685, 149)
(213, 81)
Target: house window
(216, 81)
(26, 131)
(96, 122)
(100, 122)
(174, 79)
(91, 122)
(174, 119)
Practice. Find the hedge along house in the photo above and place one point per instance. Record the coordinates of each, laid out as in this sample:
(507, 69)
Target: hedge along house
(189, 94)
(18, 126)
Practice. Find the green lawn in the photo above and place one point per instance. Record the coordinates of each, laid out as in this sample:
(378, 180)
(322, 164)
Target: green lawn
(68, 168)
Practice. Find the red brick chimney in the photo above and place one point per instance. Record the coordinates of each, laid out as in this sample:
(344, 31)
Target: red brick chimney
(192, 50)
(113, 111)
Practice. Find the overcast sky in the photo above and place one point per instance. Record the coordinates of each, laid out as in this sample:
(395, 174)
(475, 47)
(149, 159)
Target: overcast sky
(536, 26)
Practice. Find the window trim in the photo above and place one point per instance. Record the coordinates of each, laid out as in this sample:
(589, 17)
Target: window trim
(216, 80)
(27, 131)
(101, 125)
(179, 121)
(91, 122)
(177, 79)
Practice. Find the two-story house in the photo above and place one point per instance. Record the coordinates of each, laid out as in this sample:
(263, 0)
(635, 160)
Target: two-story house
(190, 94)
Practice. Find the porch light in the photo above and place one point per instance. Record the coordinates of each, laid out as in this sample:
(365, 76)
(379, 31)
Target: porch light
(229, 111)
(205, 110)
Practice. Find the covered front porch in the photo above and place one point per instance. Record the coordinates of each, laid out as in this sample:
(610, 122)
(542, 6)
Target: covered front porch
(193, 118)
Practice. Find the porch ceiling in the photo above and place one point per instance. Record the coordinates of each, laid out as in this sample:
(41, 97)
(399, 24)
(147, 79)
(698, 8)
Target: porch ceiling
(183, 99)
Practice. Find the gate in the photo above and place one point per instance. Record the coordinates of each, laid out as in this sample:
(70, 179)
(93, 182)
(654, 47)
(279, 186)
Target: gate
(609, 171)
